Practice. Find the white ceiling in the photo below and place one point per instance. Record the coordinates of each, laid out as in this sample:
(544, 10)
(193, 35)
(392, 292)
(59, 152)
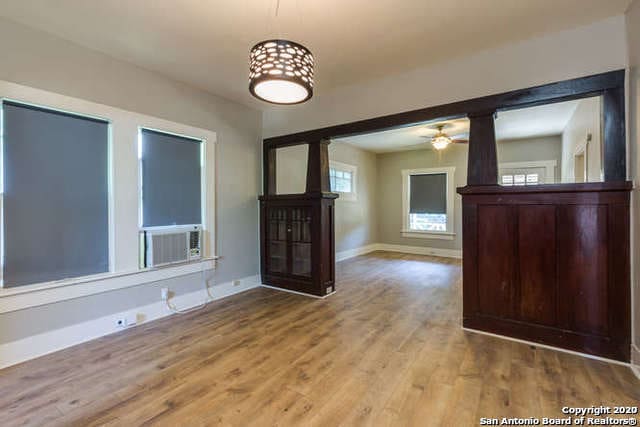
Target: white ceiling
(206, 43)
(530, 122)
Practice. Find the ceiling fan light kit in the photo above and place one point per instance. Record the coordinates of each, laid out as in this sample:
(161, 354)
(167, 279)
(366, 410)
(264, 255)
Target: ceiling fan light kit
(281, 72)
(440, 141)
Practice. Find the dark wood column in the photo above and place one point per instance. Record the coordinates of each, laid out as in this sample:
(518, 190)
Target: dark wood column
(269, 170)
(482, 167)
(614, 141)
(318, 167)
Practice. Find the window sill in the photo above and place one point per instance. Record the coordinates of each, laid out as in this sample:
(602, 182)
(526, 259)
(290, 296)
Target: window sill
(22, 297)
(347, 197)
(439, 235)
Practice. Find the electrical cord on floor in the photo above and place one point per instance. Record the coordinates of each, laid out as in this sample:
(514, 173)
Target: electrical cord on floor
(200, 306)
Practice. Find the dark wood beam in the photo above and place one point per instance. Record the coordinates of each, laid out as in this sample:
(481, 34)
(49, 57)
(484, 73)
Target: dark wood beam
(554, 92)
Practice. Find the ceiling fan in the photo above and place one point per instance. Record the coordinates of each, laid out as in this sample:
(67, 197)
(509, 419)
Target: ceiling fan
(441, 139)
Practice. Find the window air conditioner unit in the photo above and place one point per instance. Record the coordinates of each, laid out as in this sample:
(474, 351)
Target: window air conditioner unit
(172, 245)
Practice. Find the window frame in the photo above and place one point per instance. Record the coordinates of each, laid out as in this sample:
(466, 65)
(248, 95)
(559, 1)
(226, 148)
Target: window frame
(110, 187)
(449, 233)
(351, 196)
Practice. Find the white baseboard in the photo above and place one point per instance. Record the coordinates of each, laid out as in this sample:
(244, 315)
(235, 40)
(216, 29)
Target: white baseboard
(420, 250)
(340, 256)
(635, 360)
(28, 348)
(417, 250)
(304, 294)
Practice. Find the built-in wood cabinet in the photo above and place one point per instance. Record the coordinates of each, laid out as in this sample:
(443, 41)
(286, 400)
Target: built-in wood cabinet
(297, 242)
(297, 248)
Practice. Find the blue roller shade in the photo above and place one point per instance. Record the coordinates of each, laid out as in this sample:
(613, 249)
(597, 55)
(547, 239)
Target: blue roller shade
(55, 208)
(171, 180)
(428, 194)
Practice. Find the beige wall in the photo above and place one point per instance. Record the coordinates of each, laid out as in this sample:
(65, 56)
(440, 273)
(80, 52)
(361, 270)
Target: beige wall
(585, 120)
(356, 221)
(291, 169)
(633, 40)
(553, 57)
(389, 203)
(36, 59)
(532, 149)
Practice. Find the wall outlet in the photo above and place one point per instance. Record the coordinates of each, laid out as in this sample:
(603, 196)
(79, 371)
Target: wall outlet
(127, 321)
(164, 293)
(236, 283)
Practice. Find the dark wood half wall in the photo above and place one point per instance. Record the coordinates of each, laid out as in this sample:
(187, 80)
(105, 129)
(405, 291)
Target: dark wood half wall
(549, 267)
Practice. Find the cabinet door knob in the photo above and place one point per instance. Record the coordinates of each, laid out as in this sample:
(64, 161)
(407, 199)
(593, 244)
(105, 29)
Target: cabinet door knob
(288, 230)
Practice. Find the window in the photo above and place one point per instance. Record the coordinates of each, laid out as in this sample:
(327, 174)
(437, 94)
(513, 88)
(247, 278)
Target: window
(528, 173)
(428, 198)
(55, 195)
(342, 178)
(171, 173)
(521, 179)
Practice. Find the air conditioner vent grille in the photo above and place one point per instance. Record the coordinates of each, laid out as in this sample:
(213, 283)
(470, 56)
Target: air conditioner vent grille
(194, 240)
(169, 248)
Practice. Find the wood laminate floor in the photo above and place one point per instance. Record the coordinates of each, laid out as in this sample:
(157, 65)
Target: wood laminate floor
(386, 350)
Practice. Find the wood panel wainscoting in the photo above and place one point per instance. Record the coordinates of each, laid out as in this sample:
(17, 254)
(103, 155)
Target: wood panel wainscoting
(549, 264)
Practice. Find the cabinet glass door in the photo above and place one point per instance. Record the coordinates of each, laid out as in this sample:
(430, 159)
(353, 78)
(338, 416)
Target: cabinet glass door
(301, 241)
(277, 240)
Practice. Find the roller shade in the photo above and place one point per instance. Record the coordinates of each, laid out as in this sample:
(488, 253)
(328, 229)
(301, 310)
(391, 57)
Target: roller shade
(428, 194)
(55, 201)
(171, 186)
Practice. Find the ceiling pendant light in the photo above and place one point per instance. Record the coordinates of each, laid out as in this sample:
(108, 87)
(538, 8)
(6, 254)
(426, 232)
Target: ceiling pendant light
(281, 72)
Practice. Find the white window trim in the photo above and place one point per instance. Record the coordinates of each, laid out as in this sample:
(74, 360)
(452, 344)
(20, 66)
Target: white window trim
(26, 296)
(353, 195)
(548, 165)
(449, 234)
(124, 269)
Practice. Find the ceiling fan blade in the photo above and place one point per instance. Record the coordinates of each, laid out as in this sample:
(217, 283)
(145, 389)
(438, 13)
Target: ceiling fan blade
(460, 141)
